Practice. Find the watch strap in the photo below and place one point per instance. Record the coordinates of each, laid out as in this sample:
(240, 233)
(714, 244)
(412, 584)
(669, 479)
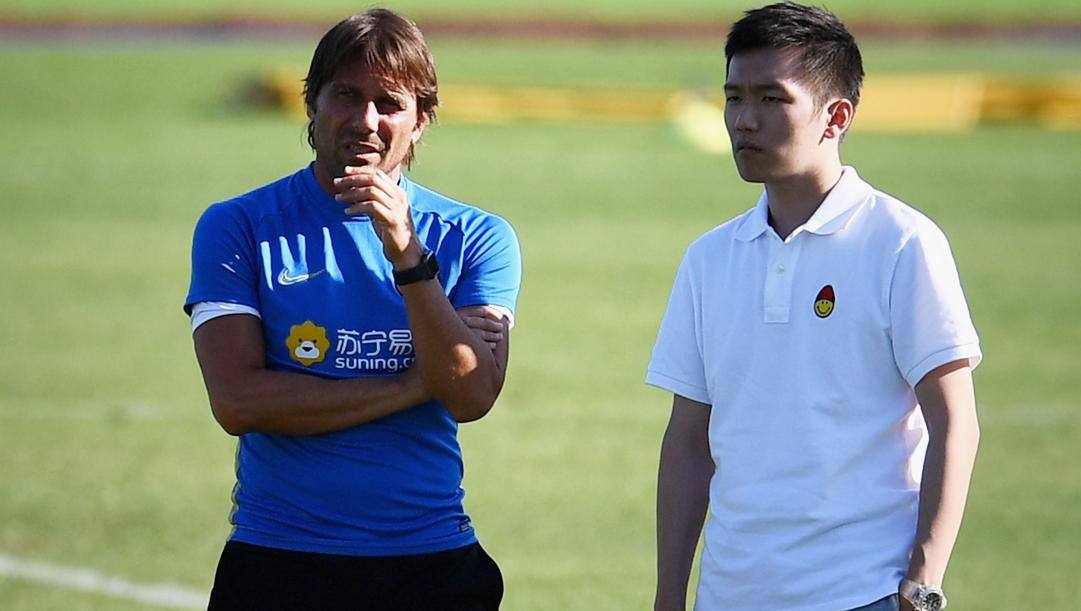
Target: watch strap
(427, 269)
(918, 594)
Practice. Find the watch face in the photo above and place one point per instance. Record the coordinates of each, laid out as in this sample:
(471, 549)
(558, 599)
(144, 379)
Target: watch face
(932, 601)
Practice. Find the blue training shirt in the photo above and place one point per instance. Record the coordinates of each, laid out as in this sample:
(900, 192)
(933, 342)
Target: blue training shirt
(329, 307)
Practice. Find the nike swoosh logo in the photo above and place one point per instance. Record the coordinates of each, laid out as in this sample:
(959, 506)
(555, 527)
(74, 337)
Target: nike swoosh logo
(285, 279)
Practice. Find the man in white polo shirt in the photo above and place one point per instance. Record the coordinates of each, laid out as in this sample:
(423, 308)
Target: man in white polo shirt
(819, 350)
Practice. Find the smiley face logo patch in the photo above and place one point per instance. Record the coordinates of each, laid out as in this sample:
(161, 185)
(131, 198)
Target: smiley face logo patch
(824, 301)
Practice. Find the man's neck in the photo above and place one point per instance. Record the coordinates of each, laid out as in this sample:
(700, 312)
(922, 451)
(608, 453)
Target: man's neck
(794, 200)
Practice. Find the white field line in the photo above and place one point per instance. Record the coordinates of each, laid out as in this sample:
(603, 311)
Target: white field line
(100, 411)
(73, 578)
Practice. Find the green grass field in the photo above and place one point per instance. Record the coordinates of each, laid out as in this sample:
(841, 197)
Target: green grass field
(612, 10)
(110, 460)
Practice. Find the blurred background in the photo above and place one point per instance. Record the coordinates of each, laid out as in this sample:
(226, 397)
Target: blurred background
(593, 128)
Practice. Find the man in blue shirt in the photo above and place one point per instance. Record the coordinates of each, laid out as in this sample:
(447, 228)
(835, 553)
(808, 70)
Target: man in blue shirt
(346, 319)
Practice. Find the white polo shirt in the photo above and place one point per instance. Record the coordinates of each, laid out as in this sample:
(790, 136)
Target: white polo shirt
(808, 349)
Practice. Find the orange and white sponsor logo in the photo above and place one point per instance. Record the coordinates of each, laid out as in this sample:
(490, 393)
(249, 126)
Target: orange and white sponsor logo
(307, 343)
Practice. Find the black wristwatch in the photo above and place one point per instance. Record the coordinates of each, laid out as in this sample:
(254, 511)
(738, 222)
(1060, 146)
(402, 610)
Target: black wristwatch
(427, 269)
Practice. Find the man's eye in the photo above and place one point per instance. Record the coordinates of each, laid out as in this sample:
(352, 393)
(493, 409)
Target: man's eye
(731, 99)
(771, 98)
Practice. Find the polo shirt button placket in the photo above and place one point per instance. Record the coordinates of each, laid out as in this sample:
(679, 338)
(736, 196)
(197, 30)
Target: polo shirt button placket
(778, 286)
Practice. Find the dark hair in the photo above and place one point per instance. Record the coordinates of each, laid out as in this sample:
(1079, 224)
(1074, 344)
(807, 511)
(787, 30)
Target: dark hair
(390, 45)
(830, 60)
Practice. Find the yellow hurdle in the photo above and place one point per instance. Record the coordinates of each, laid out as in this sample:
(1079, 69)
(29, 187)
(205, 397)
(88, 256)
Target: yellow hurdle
(891, 103)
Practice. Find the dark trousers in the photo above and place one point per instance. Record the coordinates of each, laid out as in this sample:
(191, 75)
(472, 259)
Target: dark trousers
(267, 579)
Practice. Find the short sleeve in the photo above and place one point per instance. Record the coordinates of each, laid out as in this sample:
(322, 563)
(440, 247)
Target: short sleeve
(224, 265)
(491, 266)
(929, 317)
(676, 364)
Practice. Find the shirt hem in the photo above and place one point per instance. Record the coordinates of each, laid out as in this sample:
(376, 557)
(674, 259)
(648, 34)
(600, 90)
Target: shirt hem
(679, 387)
(354, 549)
(948, 355)
(196, 298)
(834, 605)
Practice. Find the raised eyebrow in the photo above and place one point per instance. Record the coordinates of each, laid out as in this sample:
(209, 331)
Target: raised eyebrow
(389, 87)
(388, 95)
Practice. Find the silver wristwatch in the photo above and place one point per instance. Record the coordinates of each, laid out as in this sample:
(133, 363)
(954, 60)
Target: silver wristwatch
(923, 598)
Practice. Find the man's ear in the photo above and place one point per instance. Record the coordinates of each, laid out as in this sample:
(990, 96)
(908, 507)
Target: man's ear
(839, 118)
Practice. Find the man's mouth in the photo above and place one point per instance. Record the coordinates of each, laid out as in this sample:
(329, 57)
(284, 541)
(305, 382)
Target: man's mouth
(362, 148)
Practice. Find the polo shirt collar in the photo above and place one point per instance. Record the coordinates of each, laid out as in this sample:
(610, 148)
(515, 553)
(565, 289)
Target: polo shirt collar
(840, 204)
(832, 214)
(756, 223)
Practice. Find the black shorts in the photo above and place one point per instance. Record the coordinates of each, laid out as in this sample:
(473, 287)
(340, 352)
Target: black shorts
(263, 578)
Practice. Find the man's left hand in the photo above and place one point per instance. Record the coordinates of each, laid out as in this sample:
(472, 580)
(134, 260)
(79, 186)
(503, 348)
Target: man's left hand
(487, 323)
(369, 191)
(905, 605)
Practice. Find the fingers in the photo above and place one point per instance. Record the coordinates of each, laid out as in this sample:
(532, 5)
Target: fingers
(363, 176)
(364, 185)
(350, 194)
(491, 343)
(488, 329)
(487, 323)
(366, 177)
(369, 191)
(485, 311)
(366, 201)
(483, 324)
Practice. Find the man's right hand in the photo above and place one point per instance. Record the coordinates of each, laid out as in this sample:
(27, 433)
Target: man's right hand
(686, 467)
(369, 191)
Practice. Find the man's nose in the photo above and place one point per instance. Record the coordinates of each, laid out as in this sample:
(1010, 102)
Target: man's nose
(746, 119)
(368, 118)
